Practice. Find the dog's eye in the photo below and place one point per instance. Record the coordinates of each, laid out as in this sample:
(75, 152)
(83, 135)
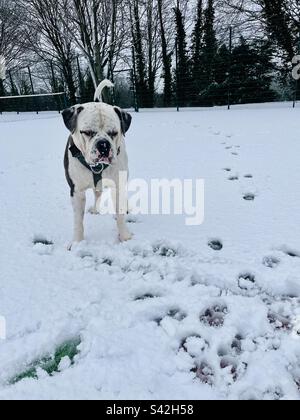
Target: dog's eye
(88, 133)
(113, 133)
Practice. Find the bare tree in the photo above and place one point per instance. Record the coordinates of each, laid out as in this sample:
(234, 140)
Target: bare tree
(13, 41)
(97, 30)
(146, 28)
(153, 47)
(167, 52)
(48, 38)
(138, 58)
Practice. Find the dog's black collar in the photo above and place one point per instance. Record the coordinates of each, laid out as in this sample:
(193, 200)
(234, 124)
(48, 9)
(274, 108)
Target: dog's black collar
(97, 171)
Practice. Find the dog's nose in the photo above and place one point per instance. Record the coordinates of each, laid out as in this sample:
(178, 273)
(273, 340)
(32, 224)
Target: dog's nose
(103, 147)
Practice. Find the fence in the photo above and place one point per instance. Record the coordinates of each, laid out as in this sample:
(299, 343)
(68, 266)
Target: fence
(33, 103)
(22, 91)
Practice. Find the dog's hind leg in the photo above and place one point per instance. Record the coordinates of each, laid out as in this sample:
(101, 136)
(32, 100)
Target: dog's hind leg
(94, 209)
(79, 203)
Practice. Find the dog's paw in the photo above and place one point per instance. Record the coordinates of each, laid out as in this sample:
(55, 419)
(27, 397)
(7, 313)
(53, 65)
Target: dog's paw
(125, 236)
(77, 241)
(73, 245)
(93, 211)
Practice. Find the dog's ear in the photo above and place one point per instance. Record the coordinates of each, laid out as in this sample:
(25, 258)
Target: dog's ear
(125, 119)
(70, 116)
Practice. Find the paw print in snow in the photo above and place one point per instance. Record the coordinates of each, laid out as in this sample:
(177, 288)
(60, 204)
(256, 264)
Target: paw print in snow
(274, 394)
(205, 373)
(176, 314)
(41, 240)
(146, 296)
(271, 262)
(229, 365)
(247, 282)
(214, 317)
(194, 345)
(165, 250)
(236, 344)
(215, 244)
(249, 197)
(279, 322)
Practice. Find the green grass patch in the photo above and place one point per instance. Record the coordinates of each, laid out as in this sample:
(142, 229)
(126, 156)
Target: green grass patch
(50, 364)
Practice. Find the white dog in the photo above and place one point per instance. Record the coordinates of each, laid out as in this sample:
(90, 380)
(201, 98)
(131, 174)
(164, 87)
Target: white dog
(95, 155)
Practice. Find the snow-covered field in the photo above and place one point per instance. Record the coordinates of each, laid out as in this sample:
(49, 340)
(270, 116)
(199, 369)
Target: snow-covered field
(164, 316)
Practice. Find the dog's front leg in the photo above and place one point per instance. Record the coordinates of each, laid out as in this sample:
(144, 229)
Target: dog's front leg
(124, 233)
(79, 203)
(121, 206)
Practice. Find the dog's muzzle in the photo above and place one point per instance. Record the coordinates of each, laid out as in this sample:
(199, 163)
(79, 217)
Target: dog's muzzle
(103, 152)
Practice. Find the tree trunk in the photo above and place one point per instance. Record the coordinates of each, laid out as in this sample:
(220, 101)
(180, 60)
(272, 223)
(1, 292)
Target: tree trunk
(69, 79)
(167, 58)
(151, 70)
(141, 85)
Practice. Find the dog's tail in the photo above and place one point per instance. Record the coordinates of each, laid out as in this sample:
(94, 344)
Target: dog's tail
(98, 94)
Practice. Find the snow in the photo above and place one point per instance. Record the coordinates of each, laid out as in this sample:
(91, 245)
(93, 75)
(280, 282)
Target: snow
(217, 317)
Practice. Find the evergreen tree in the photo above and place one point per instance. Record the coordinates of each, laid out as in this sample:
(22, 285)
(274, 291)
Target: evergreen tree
(252, 73)
(220, 91)
(183, 80)
(208, 55)
(138, 57)
(196, 50)
(282, 24)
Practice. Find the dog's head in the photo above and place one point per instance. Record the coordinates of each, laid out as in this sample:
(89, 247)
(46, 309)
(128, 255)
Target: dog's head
(97, 130)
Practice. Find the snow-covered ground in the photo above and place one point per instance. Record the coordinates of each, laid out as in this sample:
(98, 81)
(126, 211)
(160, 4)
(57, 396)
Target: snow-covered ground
(164, 316)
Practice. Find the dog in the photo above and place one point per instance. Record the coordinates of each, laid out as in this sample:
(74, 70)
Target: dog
(95, 156)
